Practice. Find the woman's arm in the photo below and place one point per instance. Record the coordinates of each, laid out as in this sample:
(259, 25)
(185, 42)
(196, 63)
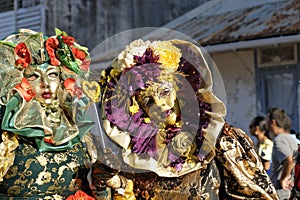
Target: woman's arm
(285, 179)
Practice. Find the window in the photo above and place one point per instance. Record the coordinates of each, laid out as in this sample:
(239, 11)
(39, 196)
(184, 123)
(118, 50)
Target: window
(277, 81)
(6, 5)
(281, 55)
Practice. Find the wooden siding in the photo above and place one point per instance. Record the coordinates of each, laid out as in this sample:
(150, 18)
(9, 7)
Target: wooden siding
(31, 18)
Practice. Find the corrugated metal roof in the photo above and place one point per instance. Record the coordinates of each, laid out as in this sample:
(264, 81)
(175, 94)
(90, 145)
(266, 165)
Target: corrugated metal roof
(265, 19)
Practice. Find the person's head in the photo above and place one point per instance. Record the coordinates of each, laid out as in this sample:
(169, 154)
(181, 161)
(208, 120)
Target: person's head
(258, 127)
(278, 121)
(45, 67)
(45, 80)
(157, 100)
(46, 77)
(160, 94)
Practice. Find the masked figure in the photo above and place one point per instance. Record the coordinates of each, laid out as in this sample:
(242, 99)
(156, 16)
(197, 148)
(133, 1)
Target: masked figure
(44, 126)
(158, 105)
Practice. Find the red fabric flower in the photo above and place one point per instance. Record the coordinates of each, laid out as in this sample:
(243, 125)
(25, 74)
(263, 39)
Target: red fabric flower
(79, 195)
(77, 92)
(21, 63)
(25, 90)
(85, 65)
(68, 40)
(70, 86)
(48, 141)
(78, 54)
(51, 45)
(22, 51)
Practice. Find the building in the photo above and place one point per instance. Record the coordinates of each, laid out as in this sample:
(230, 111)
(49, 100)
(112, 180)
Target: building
(255, 46)
(90, 21)
(254, 43)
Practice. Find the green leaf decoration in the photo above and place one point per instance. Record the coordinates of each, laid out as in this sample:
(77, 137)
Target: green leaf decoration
(10, 44)
(57, 31)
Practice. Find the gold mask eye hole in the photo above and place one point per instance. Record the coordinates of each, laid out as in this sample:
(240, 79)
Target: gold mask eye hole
(53, 75)
(33, 77)
(148, 101)
(165, 92)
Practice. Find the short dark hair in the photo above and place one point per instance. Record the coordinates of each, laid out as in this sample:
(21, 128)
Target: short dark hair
(281, 118)
(260, 122)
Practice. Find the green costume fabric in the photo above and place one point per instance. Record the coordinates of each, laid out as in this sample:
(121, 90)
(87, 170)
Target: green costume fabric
(46, 175)
(44, 98)
(13, 106)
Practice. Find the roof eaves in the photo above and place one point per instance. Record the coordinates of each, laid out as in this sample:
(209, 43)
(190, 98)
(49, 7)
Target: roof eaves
(275, 41)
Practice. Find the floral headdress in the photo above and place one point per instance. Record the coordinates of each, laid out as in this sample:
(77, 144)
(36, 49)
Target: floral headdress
(158, 105)
(58, 50)
(23, 114)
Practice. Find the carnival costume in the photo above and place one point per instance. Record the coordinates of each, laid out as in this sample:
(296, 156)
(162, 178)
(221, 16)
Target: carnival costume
(44, 126)
(157, 111)
(158, 105)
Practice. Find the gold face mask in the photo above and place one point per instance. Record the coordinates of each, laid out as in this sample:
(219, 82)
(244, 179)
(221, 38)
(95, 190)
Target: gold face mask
(45, 80)
(157, 100)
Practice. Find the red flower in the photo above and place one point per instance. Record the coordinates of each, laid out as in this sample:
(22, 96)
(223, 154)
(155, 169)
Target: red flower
(77, 92)
(85, 65)
(68, 40)
(21, 62)
(52, 42)
(70, 86)
(51, 45)
(78, 54)
(22, 51)
(79, 195)
(25, 90)
(50, 141)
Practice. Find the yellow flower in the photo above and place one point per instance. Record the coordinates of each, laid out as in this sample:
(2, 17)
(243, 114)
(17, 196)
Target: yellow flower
(134, 108)
(115, 73)
(147, 120)
(169, 55)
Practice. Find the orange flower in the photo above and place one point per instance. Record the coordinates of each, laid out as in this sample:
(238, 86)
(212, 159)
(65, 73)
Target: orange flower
(78, 54)
(24, 54)
(21, 62)
(52, 44)
(77, 92)
(85, 65)
(68, 40)
(70, 86)
(50, 141)
(25, 90)
(79, 195)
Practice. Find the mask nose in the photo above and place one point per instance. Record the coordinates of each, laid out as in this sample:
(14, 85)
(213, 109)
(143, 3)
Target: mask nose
(44, 83)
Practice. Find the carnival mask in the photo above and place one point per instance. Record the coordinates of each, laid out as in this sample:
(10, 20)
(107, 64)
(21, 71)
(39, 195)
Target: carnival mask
(158, 101)
(44, 80)
(159, 106)
(42, 87)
